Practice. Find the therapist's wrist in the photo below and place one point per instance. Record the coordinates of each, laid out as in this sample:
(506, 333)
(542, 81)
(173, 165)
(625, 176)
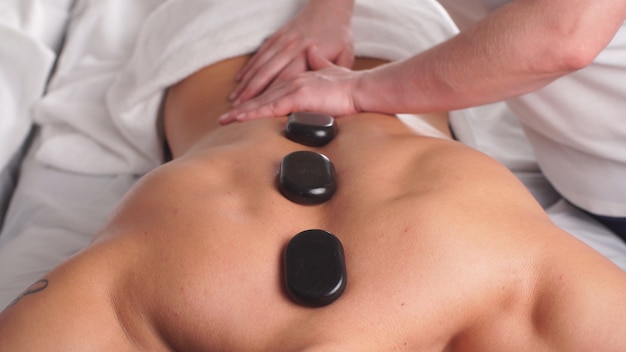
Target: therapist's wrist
(360, 88)
(342, 8)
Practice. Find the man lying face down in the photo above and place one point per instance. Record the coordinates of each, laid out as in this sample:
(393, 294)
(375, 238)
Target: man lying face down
(444, 250)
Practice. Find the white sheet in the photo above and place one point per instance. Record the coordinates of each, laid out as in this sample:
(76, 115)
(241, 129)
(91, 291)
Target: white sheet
(78, 133)
(53, 214)
(30, 35)
(8, 181)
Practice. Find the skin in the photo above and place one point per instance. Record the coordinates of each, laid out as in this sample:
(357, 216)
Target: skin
(445, 250)
(519, 48)
(324, 24)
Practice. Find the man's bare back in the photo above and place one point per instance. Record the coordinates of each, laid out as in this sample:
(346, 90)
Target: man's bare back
(445, 250)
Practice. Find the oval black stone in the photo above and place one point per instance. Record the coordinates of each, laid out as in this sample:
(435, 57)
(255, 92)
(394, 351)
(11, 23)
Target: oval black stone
(310, 128)
(307, 177)
(314, 268)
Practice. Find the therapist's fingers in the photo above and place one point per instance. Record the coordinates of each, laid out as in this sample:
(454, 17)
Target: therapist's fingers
(316, 60)
(266, 66)
(252, 85)
(265, 53)
(303, 94)
(328, 88)
(297, 66)
(345, 58)
(269, 104)
(280, 69)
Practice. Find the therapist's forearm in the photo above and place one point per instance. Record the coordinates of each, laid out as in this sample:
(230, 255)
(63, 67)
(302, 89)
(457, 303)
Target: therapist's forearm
(517, 49)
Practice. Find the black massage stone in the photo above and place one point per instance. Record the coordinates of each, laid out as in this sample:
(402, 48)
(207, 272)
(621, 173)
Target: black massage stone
(307, 178)
(311, 129)
(315, 268)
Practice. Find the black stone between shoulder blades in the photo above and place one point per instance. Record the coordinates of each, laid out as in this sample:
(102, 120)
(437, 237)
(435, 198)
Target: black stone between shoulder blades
(307, 178)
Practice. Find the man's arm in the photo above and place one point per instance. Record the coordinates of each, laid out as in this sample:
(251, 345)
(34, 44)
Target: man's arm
(516, 49)
(581, 304)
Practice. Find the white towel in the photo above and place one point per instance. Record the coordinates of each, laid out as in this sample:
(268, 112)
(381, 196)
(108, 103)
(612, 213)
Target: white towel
(176, 39)
(30, 33)
(77, 131)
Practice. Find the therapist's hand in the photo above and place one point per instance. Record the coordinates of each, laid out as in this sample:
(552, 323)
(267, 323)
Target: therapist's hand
(322, 23)
(327, 89)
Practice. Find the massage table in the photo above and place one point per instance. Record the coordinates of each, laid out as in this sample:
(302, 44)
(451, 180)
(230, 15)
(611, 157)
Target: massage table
(80, 85)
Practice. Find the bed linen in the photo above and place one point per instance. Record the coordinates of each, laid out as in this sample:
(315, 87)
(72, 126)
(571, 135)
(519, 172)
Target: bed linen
(53, 214)
(31, 32)
(8, 181)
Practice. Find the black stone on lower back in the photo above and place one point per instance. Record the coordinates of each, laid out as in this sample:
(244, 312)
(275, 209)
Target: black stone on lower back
(314, 268)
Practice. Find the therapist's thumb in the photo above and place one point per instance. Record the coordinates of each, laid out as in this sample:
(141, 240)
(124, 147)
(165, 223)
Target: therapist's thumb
(315, 59)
